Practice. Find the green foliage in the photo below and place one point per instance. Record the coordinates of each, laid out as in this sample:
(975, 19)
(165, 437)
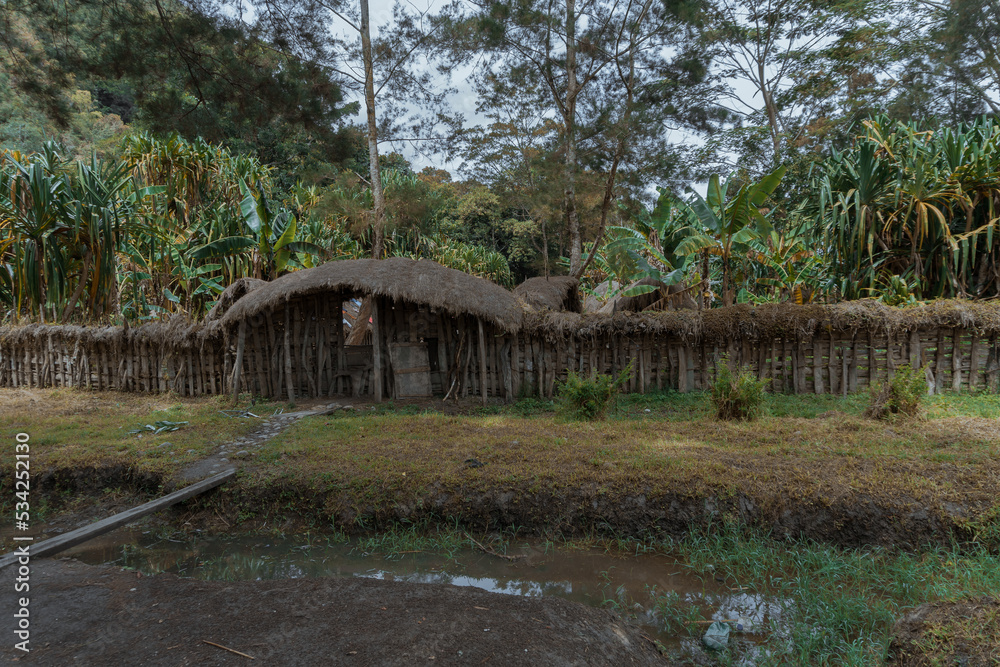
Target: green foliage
(420, 221)
(163, 230)
(676, 614)
(899, 397)
(739, 396)
(721, 229)
(590, 398)
(168, 67)
(907, 202)
(836, 606)
(167, 227)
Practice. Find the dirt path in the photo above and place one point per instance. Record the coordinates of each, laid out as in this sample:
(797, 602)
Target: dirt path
(229, 454)
(107, 616)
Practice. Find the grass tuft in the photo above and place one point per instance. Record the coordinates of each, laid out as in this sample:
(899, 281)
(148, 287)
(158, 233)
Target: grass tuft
(737, 396)
(898, 397)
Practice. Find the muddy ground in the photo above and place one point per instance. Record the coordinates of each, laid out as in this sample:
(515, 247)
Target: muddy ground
(86, 615)
(104, 616)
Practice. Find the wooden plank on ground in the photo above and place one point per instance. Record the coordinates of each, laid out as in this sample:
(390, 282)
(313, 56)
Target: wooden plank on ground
(62, 542)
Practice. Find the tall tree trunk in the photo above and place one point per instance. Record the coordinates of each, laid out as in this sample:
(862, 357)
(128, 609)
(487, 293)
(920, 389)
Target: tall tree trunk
(545, 248)
(609, 186)
(569, 166)
(772, 114)
(378, 197)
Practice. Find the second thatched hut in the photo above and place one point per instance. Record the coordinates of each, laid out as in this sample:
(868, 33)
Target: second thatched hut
(555, 293)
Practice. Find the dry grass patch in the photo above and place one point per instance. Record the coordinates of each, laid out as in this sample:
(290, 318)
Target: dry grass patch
(72, 428)
(964, 632)
(820, 460)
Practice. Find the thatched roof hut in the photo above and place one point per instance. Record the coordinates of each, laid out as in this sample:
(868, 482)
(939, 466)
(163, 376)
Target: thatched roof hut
(417, 281)
(239, 289)
(556, 293)
(595, 299)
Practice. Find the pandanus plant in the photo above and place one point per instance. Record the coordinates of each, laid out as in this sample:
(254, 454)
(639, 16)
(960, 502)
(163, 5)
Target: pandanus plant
(63, 231)
(902, 200)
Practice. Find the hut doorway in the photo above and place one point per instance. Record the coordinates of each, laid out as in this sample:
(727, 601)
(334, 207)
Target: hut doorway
(356, 372)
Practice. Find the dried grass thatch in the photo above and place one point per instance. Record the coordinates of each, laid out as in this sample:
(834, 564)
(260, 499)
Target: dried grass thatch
(417, 281)
(231, 295)
(594, 300)
(176, 333)
(769, 321)
(555, 293)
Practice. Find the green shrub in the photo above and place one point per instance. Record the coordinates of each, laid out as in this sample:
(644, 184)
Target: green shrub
(900, 396)
(590, 398)
(738, 396)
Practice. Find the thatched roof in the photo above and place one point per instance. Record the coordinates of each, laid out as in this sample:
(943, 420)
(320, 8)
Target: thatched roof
(240, 288)
(175, 333)
(663, 297)
(557, 293)
(769, 321)
(417, 281)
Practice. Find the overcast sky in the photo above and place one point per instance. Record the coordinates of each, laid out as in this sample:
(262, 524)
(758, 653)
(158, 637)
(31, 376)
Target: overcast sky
(464, 101)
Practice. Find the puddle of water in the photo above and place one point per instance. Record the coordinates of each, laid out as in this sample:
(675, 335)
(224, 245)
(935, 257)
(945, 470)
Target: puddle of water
(658, 591)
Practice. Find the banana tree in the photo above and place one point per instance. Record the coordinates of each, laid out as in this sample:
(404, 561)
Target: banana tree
(270, 237)
(646, 251)
(788, 265)
(727, 225)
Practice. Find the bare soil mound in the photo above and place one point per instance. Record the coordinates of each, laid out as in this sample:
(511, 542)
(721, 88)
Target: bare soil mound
(107, 616)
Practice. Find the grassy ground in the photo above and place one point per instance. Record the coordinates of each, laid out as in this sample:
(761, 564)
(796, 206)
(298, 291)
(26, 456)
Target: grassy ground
(71, 428)
(836, 605)
(808, 450)
(828, 605)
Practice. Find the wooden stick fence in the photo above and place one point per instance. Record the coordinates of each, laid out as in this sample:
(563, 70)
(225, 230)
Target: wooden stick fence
(837, 363)
(299, 352)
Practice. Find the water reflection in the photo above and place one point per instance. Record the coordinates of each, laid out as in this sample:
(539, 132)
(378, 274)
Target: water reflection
(659, 592)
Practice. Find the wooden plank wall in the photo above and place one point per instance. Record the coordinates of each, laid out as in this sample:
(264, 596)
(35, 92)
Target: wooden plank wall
(120, 362)
(296, 352)
(954, 360)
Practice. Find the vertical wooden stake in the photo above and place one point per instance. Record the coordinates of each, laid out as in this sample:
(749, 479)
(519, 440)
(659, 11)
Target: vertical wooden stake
(974, 363)
(956, 361)
(289, 378)
(482, 360)
(682, 374)
(505, 367)
(238, 366)
(341, 353)
(939, 363)
(817, 350)
(377, 347)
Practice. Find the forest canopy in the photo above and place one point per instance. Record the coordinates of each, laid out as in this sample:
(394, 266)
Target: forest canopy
(152, 152)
